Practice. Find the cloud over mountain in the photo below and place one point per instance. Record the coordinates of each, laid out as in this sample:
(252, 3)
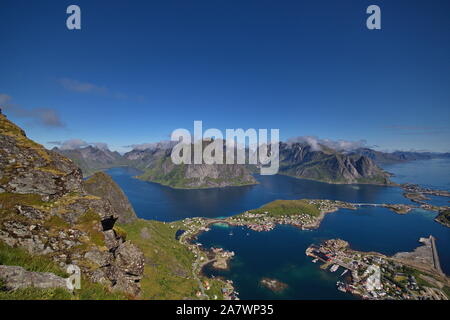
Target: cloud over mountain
(165, 144)
(73, 144)
(339, 145)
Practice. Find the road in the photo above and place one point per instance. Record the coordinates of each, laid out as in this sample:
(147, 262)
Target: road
(437, 264)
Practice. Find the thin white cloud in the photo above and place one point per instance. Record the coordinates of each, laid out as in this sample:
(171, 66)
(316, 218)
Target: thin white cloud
(339, 145)
(165, 144)
(43, 116)
(83, 87)
(73, 144)
(91, 88)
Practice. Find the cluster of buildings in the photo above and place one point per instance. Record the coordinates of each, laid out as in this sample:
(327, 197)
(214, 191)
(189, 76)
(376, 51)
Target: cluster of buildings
(325, 205)
(373, 276)
(265, 222)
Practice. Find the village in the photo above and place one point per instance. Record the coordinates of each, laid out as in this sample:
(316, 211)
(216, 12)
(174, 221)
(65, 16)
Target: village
(266, 220)
(367, 275)
(263, 222)
(374, 276)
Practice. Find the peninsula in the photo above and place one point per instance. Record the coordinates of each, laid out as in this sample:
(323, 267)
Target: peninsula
(371, 275)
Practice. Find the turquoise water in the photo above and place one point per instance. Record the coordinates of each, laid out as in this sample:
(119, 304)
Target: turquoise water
(280, 253)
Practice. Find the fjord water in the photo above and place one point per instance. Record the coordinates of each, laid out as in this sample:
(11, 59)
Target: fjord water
(153, 201)
(280, 254)
(434, 173)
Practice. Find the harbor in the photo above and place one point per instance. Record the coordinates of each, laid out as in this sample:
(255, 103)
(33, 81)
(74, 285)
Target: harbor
(376, 276)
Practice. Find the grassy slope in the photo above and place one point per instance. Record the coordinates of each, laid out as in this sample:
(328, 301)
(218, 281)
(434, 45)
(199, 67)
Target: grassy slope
(288, 207)
(444, 217)
(175, 178)
(168, 266)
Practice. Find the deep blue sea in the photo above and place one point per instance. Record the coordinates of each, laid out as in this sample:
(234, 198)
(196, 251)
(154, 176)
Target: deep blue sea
(433, 173)
(280, 254)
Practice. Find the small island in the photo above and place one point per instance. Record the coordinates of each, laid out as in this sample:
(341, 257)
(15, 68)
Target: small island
(307, 214)
(273, 284)
(220, 258)
(444, 217)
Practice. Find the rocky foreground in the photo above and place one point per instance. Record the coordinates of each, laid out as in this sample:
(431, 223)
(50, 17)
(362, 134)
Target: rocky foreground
(46, 210)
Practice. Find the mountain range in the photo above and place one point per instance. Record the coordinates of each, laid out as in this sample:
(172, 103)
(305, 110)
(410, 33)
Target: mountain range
(383, 158)
(296, 159)
(91, 159)
(303, 161)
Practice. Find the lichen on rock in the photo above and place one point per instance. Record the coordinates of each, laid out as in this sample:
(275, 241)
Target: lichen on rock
(45, 209)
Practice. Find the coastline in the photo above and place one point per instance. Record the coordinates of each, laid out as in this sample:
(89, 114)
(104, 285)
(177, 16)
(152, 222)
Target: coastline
(265, 221)
(405, 275)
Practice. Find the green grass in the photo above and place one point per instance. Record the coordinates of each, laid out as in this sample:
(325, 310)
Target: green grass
(168, 268)
(446, 290)
(417, 274)
(288, 207)
(120, 232)
(36, 294)
(9, 200)
(168, 263)
(444, 217)
(19, 257)
(88, 291)
(96, 291)
(89, 222)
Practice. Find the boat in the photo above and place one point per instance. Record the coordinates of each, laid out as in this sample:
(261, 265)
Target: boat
(334, 267)
(341, 286)
(344, 272)
(315, 260)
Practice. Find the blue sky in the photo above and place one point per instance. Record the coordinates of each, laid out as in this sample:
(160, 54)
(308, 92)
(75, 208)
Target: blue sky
(140, 69)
